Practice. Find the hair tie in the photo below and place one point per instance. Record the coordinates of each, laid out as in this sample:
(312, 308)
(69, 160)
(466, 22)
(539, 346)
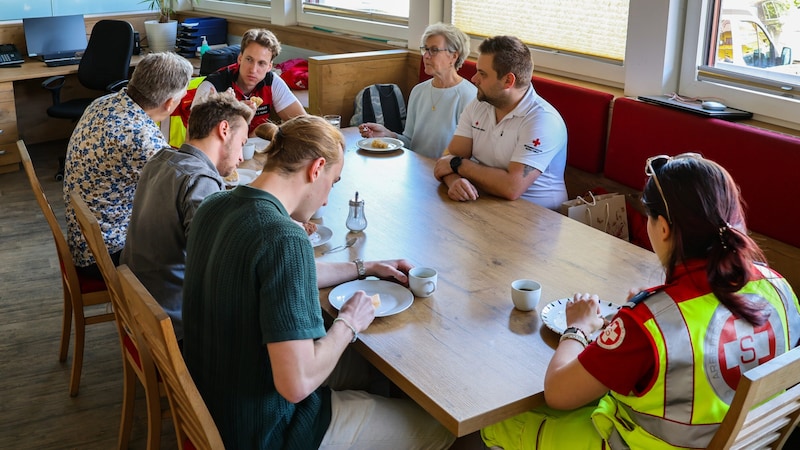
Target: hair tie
(724, 229)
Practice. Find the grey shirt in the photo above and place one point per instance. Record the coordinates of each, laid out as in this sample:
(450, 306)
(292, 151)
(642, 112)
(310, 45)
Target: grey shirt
(171, 187)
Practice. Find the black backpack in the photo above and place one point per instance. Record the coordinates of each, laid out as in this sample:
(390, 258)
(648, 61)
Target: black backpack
(218, 58)
(380, 103)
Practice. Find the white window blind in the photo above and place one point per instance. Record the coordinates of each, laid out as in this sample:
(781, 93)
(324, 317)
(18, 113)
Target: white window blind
(583, 27)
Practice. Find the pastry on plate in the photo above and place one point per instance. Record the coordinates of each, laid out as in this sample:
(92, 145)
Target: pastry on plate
(377, 143)
(233, 177)
(376, 300)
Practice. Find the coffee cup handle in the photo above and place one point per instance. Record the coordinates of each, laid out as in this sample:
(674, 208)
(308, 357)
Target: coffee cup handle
(430, 287)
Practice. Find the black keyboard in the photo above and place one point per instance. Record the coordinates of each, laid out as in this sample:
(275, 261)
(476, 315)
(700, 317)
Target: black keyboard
(63, 62)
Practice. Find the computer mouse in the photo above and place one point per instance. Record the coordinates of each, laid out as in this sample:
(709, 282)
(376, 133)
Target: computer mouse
(713, 106)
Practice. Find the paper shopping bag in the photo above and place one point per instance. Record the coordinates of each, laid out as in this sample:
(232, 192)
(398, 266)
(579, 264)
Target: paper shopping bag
(605, 212)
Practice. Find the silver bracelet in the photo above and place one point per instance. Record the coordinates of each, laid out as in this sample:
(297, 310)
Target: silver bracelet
(352, 328)
(362, 271)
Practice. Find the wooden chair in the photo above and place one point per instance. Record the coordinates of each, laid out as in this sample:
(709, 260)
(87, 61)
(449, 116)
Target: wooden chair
(194, 426)
(132, 364)
(79, 292)
(766, 407)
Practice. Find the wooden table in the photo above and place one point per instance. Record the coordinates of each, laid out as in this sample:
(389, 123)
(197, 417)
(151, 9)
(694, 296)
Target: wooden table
(465, 354)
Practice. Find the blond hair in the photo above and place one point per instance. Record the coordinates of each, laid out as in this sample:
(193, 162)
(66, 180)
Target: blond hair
(301, 139)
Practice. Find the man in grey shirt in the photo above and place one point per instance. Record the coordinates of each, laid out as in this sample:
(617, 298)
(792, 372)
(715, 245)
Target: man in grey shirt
(171, 187)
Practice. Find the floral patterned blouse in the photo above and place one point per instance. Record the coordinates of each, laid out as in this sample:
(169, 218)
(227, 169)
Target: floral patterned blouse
(105, 156)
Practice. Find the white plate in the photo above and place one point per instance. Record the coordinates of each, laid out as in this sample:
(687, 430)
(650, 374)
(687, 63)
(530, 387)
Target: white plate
(321, 236)
(245, 177)
(260, 144)
(554, 315)
(394, 298)
(393, 144)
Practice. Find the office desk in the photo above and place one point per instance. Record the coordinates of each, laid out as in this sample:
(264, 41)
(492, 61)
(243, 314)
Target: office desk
(465, 354)
(30, 70)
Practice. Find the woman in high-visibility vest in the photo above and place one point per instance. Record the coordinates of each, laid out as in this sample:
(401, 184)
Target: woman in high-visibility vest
(662, 373)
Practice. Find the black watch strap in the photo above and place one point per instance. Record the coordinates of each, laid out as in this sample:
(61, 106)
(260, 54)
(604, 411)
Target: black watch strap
(455, 163)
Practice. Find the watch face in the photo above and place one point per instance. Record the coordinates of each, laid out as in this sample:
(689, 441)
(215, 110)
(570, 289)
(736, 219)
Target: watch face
(455, 162)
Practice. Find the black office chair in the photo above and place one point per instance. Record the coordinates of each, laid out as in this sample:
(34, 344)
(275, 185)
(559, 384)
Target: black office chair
(104, 67)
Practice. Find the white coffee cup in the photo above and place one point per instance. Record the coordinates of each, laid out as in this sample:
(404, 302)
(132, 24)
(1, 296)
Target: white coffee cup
(318, 213)
(526, 294)
(334, 119)
(422, 281)
(248, 150)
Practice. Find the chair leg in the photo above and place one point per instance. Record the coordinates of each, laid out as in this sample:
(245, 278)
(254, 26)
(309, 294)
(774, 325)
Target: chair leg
(66, 327)
(153, 399)
(128, 401)
(61, 163)
(77, 355)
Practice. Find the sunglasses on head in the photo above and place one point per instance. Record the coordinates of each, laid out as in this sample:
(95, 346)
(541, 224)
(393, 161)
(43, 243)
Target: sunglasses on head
(655, 163)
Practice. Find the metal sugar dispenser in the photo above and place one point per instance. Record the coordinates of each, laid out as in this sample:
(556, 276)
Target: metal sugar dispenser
(356, 221)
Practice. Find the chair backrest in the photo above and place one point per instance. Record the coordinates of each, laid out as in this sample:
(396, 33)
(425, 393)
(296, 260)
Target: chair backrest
(107, 58)
(766, 406)
(69, 276)
(194, 426)
(90, 228)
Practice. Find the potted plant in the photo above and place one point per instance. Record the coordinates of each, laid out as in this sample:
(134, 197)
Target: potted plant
(162, 33)
(164, 7)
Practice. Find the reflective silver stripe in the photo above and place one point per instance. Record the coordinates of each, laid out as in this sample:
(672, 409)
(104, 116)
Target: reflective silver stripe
(679, 373)
(673, 433)
(616, 442)
(785, 293)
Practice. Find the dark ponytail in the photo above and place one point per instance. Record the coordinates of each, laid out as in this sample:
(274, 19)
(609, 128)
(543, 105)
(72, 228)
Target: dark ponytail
(708, 223)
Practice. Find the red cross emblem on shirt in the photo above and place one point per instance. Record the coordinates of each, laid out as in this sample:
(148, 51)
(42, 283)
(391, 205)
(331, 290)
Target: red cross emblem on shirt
(536, 142)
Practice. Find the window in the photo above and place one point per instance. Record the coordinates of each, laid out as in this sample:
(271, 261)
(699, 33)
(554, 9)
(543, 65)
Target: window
(746, 53)
(40, 8)
(577, 36)
(374, 10)
(370, 18)
(243, 8)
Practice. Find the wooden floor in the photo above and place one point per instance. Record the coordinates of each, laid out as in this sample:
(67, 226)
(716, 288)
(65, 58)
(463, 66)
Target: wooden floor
(36, 411)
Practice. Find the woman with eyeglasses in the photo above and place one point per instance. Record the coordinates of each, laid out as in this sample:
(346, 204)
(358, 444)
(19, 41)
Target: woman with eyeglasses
(435, 105)
(663, 372)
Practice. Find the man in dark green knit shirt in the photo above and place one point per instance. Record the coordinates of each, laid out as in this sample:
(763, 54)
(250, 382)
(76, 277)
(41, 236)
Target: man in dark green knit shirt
(255, 341)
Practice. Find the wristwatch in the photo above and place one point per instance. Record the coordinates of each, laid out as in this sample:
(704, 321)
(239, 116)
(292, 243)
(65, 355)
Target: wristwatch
(576, 334)
(455, 163)
(362, 271)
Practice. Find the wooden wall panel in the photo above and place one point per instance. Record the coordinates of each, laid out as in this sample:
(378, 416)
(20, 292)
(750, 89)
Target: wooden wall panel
(334, 80)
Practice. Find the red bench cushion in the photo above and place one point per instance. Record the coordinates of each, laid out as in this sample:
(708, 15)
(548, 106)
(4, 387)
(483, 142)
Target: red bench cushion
(762, 162)
(586, 112)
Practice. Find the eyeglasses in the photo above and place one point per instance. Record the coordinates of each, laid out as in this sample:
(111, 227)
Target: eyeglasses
(433, 51)
(655, 163)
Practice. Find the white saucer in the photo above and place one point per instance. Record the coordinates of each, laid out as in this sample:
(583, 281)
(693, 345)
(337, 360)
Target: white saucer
(554, 315)
(392, 144)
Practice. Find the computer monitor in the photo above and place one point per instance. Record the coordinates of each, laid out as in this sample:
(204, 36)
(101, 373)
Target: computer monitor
(55, 36)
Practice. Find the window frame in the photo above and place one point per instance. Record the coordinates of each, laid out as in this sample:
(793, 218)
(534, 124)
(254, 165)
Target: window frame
(766, 107)
(361, 27)
(235, 9)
